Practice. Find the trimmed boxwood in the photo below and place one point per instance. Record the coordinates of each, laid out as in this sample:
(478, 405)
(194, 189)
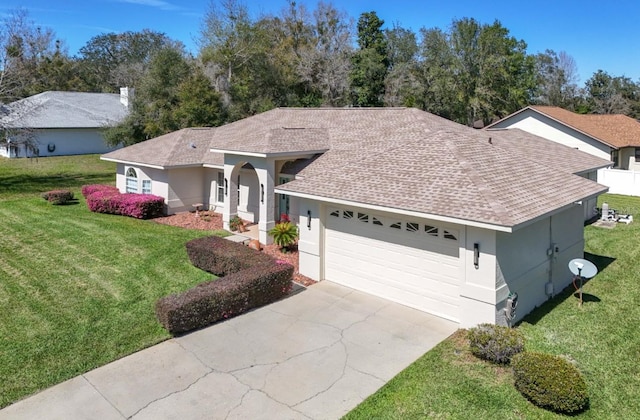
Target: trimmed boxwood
(550, 382)
(220, 256)
(495, 343)
(58, 196)
(225, 297)
(249, 279)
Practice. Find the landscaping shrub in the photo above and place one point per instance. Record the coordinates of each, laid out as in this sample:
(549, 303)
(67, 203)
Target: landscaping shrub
(284, 234)
(550, 382)
(495, 343)
(87, 190)
(221, 257)
(58, 196)
(225, 297)
(107, 199)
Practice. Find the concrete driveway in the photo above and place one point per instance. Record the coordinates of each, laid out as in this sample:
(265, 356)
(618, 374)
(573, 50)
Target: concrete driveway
(314, 355)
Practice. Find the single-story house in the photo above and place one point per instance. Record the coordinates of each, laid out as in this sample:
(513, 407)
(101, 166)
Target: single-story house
(395, 202)
(61, 123)
(614, 137)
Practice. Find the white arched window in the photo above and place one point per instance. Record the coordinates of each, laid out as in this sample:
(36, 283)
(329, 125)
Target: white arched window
(132, 181)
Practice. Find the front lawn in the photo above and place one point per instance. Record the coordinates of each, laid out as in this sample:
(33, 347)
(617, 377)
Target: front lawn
(602, 337)
(77, 289)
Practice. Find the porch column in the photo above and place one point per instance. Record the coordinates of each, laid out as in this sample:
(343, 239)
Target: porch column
(230, 190)
(265, 169)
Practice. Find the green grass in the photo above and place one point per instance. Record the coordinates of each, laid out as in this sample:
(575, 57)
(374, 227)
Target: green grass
(602, 336)
(77, 289)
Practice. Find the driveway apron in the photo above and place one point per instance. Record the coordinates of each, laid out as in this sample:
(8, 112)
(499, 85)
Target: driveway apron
(314, 355)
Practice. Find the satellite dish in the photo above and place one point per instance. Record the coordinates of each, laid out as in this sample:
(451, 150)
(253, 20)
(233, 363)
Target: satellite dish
(582, 267)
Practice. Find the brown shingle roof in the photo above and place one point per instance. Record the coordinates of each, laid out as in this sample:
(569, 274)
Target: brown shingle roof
(613, 130)
(399, 158)
(189, 146)
(456, 174)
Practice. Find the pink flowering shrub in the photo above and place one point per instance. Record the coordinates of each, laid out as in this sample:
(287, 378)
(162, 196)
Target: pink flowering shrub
(254, 281)
(111, 201)
(87, 190)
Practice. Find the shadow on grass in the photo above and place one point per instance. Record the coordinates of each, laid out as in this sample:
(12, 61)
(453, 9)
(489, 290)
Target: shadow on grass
(600, 261)
(35, 184)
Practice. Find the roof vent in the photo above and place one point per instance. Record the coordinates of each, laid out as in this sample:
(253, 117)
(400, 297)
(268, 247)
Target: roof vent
(490, 141)
(192, 145)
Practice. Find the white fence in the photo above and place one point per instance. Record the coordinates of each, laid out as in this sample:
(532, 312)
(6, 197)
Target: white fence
(620, 181)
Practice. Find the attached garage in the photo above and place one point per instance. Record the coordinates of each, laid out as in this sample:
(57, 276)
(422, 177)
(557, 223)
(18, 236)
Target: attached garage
(413, 262)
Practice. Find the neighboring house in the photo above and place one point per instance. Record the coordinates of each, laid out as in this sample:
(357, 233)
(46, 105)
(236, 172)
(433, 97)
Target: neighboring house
(395, 202)
(613, 137)
(62, 123)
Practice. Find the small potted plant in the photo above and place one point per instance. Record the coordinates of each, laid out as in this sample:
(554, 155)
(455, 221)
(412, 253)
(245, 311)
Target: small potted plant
(236, 224)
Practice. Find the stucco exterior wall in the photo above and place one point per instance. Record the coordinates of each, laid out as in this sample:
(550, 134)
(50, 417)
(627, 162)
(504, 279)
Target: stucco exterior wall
(627, 159)
(66, 141)
(185, 188)
(310, 239)
(550, 129)
(529, 258)
(478, 288)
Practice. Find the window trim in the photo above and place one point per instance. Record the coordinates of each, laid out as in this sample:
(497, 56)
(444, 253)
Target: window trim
(131, 181)
(220, 187)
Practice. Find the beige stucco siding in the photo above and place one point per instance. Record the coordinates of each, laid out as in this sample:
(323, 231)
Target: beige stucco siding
(535, 255)
(185, 188)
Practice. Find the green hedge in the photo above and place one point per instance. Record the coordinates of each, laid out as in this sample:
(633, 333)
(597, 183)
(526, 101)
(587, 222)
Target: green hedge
(495, 343)
(58, 197)
(250, 279)
(220, 256)
(550, 382)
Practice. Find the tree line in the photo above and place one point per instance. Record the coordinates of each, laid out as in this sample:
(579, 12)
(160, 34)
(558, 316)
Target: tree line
(470, 72)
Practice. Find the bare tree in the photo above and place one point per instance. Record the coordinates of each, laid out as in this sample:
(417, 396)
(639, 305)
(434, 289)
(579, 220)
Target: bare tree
(326, 62)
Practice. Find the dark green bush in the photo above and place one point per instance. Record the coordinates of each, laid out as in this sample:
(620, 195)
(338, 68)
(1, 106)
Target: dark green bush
(220, 257)
(550, 382)
(495, 343)
(58, 196)
(225, 297)
(251, 279)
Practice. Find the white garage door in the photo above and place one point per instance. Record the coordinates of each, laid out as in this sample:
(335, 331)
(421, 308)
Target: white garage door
(413, 263)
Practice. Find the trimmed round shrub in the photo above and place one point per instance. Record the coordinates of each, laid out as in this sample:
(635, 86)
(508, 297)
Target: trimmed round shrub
(550, 382)
(495, 343)
(58, 196)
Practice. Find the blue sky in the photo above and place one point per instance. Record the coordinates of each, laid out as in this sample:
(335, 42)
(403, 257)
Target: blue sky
(599, 35)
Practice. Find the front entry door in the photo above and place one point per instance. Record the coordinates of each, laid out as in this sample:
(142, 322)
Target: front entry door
(283, 201)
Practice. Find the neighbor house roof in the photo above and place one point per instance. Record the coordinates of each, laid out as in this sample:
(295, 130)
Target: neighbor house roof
(614, 130)
(55, 109)
(401, 159)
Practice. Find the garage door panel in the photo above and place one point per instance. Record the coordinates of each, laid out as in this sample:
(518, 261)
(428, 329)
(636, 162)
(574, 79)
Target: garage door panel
(409, 267)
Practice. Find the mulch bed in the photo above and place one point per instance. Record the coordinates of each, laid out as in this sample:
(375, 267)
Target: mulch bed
(208, 220)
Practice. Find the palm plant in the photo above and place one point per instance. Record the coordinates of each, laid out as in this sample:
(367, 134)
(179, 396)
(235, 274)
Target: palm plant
(284, 235)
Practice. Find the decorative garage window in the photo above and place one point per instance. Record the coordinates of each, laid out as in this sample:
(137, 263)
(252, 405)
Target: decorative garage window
(146, 186)
(450, 235)
(131, 181)
(220, 187)
(415, 227)
(431, 230)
